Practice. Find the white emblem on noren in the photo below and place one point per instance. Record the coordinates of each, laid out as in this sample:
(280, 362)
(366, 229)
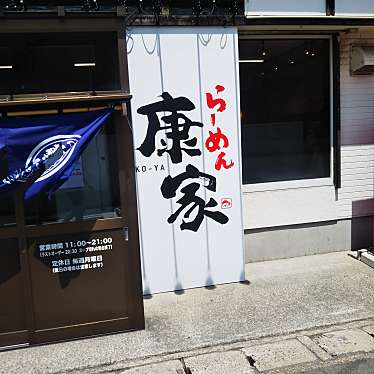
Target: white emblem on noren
(55, 151)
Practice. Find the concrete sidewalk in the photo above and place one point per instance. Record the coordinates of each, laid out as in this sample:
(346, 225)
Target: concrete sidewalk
(282, 297)
(338, 349)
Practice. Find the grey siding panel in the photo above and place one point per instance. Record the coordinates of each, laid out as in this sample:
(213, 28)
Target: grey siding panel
(355, 198)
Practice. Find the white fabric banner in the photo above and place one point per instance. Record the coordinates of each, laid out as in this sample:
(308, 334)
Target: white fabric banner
(186, 124)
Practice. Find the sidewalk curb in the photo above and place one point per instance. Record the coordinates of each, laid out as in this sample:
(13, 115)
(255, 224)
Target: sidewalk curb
(304, 336)
(368, 259)
(363, 255)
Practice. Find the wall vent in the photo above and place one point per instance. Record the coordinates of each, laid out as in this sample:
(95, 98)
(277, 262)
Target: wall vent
(362, 59)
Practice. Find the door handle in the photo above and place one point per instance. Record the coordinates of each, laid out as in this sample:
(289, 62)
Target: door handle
(126, 233)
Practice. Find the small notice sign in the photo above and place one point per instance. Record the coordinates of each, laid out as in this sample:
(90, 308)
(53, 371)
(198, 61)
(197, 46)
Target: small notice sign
(75, 255)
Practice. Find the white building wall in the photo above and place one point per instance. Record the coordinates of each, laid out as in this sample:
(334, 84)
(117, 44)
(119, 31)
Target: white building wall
(355, 198)
(289, 206)
(281, 205)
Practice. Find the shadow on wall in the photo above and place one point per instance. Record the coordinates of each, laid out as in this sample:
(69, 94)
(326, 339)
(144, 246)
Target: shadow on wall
(362, 226)
(360, 139)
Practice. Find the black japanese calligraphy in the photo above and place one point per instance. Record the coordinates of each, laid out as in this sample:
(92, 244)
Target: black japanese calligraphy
(177, 127)
(190, 201)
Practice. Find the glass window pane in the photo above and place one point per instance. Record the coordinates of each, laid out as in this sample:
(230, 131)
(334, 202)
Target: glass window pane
(91, 192)
(45, 63)
(7, 210)
(59, 61)
(7, 207)
(285, 109)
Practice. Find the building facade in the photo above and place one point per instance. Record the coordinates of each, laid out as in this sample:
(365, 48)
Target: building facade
(321, 215)
(306, 114)
(278, 136)
(306, 119)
